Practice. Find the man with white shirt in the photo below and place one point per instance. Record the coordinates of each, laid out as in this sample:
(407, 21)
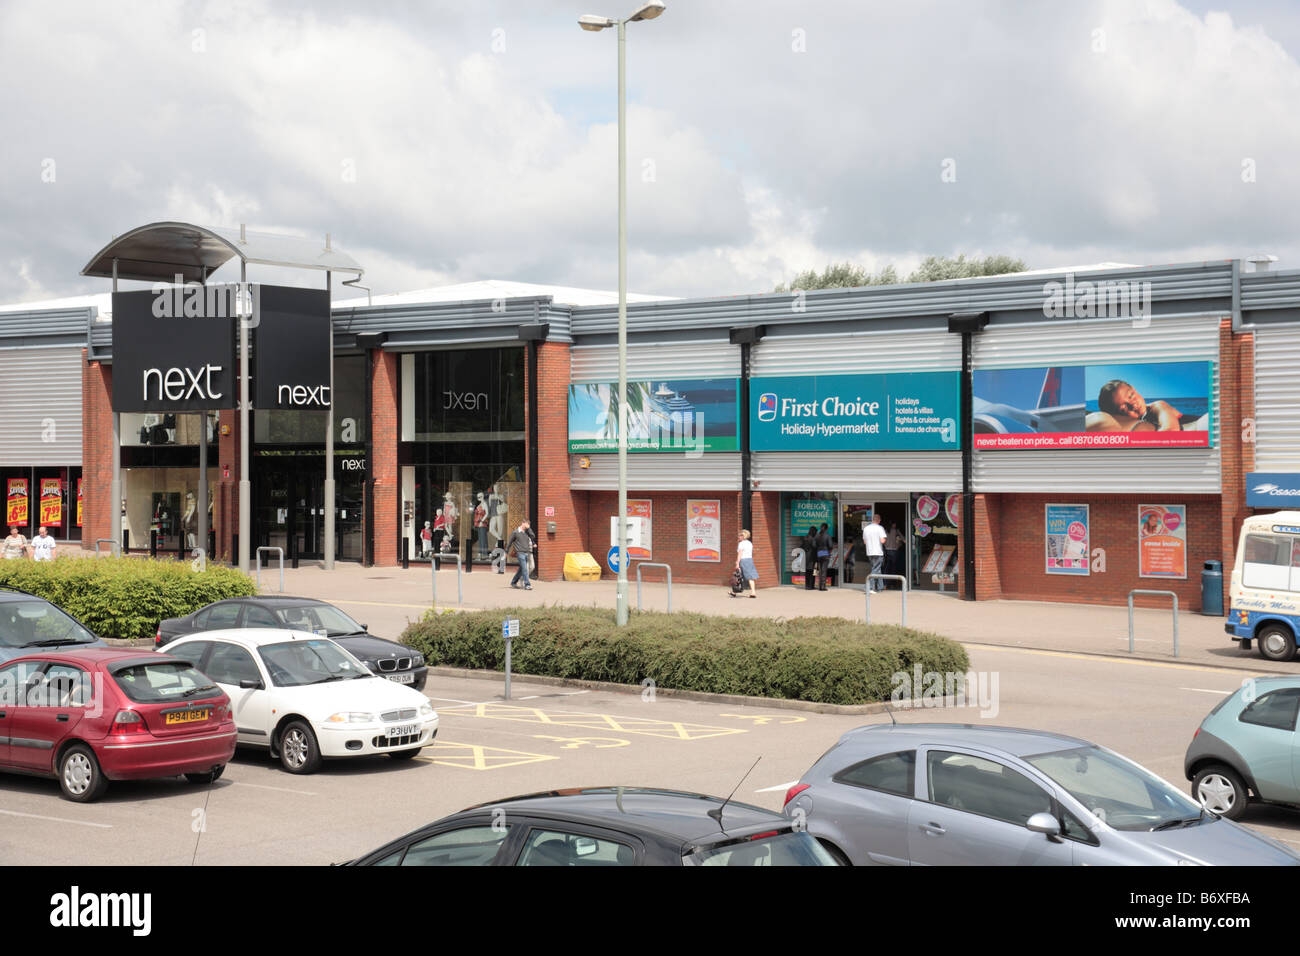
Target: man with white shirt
(43, 546)
(873, 537)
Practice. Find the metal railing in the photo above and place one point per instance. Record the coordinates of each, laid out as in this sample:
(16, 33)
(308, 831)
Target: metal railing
(259, 565)
(1130, 615)
(886, 577)
(114, 548)
(450, 556)
(654, 564)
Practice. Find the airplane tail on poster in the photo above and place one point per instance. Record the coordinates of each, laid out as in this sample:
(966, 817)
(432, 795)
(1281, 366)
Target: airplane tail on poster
(1050, 396)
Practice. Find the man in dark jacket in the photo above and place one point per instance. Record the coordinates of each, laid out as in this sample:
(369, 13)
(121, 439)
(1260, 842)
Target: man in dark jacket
(809, 546)
(823, 544)
(521, 543)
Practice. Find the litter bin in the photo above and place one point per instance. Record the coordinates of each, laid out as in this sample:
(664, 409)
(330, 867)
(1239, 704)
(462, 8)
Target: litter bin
(1212, 589)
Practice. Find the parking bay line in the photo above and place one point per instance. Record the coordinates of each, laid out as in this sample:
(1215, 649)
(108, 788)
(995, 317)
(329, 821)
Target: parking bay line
(1206, 690)
(643, 726)
(37, 816)
(262, 786)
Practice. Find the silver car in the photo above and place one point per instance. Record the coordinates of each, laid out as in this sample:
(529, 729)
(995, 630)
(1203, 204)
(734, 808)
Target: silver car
(954, 794)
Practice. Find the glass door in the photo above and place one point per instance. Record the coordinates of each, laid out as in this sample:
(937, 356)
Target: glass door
(855, 514)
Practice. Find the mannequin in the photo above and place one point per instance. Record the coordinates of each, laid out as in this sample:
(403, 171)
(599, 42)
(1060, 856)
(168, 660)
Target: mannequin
(426, 540)
(190, 522)
(497, 516)
(450, 512)
(439, 529)
(480, 526)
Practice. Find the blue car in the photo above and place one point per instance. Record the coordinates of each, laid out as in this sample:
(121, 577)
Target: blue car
(1246, 749)
(29, 623)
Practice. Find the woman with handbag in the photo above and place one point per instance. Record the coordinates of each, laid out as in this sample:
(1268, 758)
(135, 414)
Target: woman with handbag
(823, 543)
(745, 562)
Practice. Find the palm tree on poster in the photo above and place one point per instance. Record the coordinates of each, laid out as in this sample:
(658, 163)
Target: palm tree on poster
(638, 403)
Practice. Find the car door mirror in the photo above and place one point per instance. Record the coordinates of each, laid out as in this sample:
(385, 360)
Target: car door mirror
(249, 683)
(366, 628)
(1045, 824)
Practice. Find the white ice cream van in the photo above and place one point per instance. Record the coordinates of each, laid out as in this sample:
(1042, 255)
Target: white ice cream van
(1264, 592)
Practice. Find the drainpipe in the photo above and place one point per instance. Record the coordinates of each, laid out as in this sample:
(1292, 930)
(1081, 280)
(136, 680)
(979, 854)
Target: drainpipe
(967, 324)
(745, 337)
(532, 335)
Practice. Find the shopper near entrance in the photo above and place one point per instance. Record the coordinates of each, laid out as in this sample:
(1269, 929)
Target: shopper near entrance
(521, 543)
(808, 543)
(43, 546)
(15, 544)
(745, 561)
(894, 550)
(873, 537)
(823, 543)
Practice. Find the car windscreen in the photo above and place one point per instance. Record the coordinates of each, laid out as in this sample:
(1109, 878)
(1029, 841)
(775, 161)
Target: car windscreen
(297, 663)
(161, 682)
(320, 619)
(38, 623)
(1120, 793)
(767, 849)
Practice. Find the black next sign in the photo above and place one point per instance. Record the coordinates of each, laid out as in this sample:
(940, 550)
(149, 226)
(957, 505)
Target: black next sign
(291, 349)
(170, 359)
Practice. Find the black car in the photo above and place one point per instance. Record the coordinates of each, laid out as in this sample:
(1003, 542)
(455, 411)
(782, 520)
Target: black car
(386, 658)
(606, 826)
(29, 623)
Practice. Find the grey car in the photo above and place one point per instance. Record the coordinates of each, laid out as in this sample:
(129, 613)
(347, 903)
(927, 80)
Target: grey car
(956, 794)
(29, 624)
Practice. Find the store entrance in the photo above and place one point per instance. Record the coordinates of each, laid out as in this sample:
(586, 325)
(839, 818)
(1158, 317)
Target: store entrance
(289, 509)
(855, 515)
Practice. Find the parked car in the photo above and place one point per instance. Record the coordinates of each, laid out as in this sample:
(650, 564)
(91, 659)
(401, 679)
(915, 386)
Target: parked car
(397, 662)
(605, 826)
(950, 794)
(28, 622)
(102, 714)
(305, 698)
(1243, 751)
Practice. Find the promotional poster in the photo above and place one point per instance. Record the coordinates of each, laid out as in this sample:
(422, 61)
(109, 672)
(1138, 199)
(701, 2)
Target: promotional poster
(1148, 405)
(703, 529)
(1162, 541)
(16, 502)
(51, 502)
(1067, 539)
(685, 415)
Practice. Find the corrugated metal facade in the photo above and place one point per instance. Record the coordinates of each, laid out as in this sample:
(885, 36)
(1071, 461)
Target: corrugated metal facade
(716, 471)
(599, 363)
(40, 395)
(882, 472)
(1277, 398)
(895, 351)
(1186, 471)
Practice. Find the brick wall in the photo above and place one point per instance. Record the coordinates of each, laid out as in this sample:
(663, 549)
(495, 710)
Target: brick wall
(766, 511)
(97, 451)
(384, 431)
(1237, 457)
(571, 507)
(225, 500)
(1113, 525)
(988, 535)
(668, 534)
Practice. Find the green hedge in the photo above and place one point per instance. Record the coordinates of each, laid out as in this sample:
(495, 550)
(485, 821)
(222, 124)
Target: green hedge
(124, 597)
(826, 659)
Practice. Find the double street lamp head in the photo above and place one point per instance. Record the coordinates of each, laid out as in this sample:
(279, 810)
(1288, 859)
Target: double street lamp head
(648, 11)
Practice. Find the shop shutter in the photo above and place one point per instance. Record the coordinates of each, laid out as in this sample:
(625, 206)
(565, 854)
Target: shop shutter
(1154, 471)
(1277, 398)
(668, 360)
(40, 392)
(716, 471)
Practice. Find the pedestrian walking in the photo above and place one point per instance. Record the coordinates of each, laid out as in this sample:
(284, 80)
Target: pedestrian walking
(873, 538)
(894, 542)
(15, 545)
(521, 543)
(745, 562)
(823, 543)
(43, 546)
(809, 545)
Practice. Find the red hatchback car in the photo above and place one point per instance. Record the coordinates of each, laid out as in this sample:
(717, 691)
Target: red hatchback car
(101, 714)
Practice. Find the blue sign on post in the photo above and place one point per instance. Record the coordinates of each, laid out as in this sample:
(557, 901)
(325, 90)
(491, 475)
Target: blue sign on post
(898, 411)
(612, 559)
(1273, 489)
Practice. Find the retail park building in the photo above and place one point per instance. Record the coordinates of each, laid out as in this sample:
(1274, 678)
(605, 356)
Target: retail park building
(977, 400)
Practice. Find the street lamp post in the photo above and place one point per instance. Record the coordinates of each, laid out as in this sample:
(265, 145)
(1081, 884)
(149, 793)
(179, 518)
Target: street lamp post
(648, 11)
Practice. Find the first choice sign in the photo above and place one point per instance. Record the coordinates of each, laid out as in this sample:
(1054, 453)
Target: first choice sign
(173, 363)
(292, 342)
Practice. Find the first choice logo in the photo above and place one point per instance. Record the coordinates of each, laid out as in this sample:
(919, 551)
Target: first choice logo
(767, 406)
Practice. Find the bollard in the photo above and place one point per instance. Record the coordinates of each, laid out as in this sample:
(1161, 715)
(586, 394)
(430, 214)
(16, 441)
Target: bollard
(469, 555)
(890, 577)
(406, 553)
(1130, 615)
(153, 543)
(460, 593)
(654, 564)
(126, 541)
(280, 552)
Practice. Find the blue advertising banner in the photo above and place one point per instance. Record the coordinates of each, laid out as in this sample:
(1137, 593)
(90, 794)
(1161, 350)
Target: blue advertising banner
(897, 411)
(691, 415)
(1273, 489)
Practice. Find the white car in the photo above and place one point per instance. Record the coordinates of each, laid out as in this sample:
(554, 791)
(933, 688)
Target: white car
(304, 697)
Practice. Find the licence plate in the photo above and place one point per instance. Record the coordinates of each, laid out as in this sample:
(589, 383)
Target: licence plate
(401, 678)
(186, 716)
(403, 730)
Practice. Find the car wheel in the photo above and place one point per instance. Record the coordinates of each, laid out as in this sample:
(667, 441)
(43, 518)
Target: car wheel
(298, 750)
(1220, 790)
(1276, 643)
(210, 776)
(405, 754)
(835, 852)
(80, 776)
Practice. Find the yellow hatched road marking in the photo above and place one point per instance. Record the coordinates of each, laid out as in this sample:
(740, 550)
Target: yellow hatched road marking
(600, 743)
(477, 757)
(761, 720)
(669, 729)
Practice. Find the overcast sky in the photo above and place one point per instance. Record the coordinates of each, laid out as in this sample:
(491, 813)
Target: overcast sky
(447, 142)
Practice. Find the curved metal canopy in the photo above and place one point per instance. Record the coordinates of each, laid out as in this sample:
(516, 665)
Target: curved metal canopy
(160, 251)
